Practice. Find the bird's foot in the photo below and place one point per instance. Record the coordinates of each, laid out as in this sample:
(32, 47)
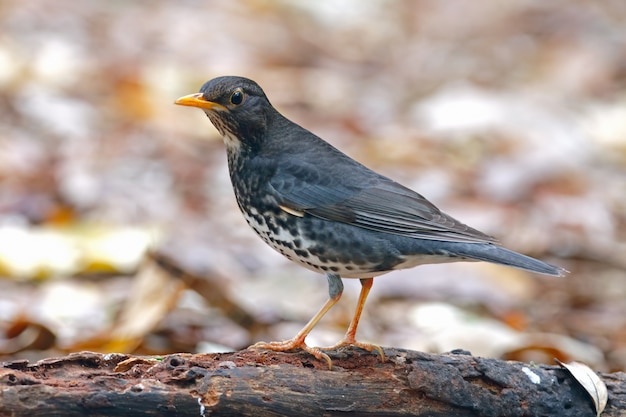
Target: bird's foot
(294, 344)
(351, 342)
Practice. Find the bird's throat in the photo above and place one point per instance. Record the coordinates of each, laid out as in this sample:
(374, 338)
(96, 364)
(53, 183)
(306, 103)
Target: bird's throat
(232, 142)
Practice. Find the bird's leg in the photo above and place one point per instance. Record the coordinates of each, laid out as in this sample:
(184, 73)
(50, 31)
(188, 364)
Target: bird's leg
(350, 337)
(335, 289)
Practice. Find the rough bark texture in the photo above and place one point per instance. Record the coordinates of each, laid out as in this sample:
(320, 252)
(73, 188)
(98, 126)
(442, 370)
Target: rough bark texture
(250, 383)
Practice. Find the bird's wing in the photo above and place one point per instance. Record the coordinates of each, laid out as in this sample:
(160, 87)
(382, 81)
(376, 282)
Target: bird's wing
(374, 202)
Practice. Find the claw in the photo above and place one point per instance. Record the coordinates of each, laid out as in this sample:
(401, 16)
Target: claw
(366, 346)
(294, 344)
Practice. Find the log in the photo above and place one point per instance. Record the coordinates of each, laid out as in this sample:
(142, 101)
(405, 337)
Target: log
(261, 383)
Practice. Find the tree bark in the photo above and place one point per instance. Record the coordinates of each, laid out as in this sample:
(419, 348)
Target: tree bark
(260, 383)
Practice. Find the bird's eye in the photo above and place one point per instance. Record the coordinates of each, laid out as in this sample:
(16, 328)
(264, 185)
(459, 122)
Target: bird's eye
(236, 97)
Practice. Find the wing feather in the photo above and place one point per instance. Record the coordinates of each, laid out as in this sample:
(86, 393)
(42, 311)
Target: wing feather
(376, 203)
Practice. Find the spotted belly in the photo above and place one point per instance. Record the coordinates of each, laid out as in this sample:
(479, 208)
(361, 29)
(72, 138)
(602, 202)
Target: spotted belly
(298, 240)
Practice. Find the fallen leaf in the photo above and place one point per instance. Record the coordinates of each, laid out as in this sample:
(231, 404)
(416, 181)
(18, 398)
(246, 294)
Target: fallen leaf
(590, 381)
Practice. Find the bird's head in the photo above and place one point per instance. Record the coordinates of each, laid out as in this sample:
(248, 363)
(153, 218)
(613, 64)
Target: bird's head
(237, 107)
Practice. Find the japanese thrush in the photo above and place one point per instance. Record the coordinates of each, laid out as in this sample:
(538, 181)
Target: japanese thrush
(326, 211)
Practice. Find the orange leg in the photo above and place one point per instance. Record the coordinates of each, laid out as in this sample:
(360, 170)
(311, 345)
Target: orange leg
(335, 289)
(350, 337)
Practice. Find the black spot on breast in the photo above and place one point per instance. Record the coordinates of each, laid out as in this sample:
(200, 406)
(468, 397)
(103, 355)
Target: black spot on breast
(317, 250)
(273, 228)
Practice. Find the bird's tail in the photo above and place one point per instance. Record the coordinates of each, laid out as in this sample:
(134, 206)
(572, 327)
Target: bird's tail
(503, 256)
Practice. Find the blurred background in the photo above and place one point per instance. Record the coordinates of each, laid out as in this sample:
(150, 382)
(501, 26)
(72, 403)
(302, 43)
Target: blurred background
(119, 229)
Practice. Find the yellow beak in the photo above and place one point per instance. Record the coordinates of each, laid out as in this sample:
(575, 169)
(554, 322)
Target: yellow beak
(196, 100)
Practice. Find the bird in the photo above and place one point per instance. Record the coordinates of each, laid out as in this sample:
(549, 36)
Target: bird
(329, 213)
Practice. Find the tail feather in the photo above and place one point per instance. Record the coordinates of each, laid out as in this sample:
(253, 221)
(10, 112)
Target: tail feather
(503, 256)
